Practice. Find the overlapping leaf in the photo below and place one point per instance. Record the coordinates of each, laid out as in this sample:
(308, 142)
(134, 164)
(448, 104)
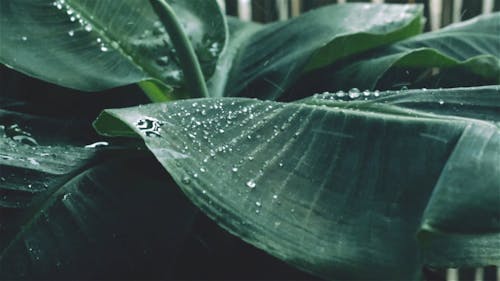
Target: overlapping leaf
(264, 61)
(338, 188)
(64, 212)
(94, 45)
(472, 46)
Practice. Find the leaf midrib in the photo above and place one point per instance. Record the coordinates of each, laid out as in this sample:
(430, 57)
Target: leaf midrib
(45, 201)
(124, 52)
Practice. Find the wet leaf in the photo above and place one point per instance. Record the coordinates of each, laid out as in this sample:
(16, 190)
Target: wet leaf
(95, 45)
(262, 61)
(64, 206)
(339, 184)
(472, 46)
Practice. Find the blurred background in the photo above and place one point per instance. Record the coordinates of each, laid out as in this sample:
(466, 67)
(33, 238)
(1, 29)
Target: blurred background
(439, 13)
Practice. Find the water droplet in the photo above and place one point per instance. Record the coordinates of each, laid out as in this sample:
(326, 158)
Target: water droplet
(25, 140)
(163, 61)
(366, 93)
(97, 144)
(214, 49)
(24, 38)
(66, 196)
(250, 184)
(186, 180)
(354, 93)
(104, 48)
(234, 169)
(441, 102)
(202, 170)
(221, 131)
(99, 40)
(280, 164)
(275, 196)
(71, 33)
(258, 204)
(33, 161)
(88, 27)
(376, 93)
(149, 126)
(340, 94)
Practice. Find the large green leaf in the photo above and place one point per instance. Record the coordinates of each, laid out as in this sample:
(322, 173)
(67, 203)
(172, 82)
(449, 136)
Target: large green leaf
(70, 211)
(337, 188)
(472, 46)
(93, 45)
(267, 59)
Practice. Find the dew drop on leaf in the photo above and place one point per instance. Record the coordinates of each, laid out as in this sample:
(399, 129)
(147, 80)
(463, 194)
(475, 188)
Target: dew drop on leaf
(149, 126)
(97, 144)
(88, 27)
(251, 184)
(354, 93)
(186, 180)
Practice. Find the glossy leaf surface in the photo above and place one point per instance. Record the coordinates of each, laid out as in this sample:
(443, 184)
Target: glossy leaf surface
(94, 45)
(64, 206)
(338, 185)
(472, 46)
(265, 60)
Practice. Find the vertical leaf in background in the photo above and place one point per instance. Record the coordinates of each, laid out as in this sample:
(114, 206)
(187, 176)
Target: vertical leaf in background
(93, 45)
(339, 189)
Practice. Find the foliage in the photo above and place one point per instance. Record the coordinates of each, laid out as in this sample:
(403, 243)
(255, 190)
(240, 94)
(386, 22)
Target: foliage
(346, 184)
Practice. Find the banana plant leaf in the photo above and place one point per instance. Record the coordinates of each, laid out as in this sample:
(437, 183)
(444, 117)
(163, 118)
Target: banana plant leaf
(95, 45)
(473, 46)
(262, 61)
(358, 189)
(63, 207)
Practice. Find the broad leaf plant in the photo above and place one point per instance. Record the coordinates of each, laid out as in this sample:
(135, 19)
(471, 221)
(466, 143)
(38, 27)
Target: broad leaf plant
(344, 142)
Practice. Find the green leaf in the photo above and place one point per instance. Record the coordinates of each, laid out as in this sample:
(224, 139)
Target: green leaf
(472, 46)
(95, 45)
(265, 60)
(65, 207)
(338, 188)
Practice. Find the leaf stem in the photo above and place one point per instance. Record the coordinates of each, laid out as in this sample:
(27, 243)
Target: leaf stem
(195, 82)
(154, 91)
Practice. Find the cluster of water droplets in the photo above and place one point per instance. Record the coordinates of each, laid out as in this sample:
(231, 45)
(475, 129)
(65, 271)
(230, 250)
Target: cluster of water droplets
(83, 24)
(209, 130)
(351, 95)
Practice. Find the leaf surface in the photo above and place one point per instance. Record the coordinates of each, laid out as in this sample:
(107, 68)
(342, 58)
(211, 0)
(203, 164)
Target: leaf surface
(95, 45)
(338, 188)
(472, 45)
(64, 206)
(266, 60)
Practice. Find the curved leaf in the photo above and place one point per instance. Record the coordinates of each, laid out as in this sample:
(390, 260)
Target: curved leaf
(337, 188)
(94, 45)
(68, 211)
(268, 59)
(471, 45)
